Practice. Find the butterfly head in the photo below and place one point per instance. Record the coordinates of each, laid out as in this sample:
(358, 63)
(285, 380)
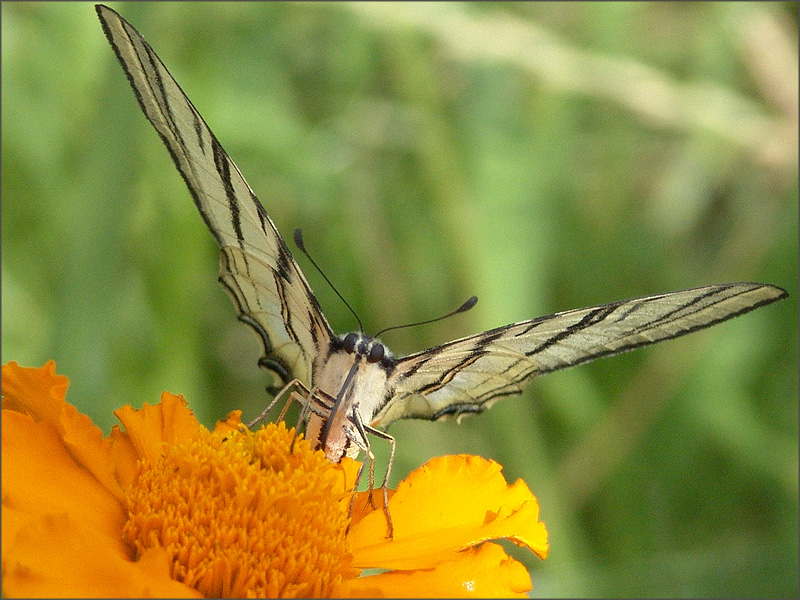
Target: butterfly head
(369, 348)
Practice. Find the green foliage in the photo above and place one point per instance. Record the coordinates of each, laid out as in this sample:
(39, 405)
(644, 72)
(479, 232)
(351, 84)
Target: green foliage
(541, 156)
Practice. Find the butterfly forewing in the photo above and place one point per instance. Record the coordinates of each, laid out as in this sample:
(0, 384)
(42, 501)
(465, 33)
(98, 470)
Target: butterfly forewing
(267, 287)
(467, 375)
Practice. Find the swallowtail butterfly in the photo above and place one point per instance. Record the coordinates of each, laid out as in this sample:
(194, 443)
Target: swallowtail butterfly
(352, 385)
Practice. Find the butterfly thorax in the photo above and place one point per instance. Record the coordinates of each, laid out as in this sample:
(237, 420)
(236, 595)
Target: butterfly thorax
(351, 387)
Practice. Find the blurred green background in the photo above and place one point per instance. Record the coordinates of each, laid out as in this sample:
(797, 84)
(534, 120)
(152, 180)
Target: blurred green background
(541, 156)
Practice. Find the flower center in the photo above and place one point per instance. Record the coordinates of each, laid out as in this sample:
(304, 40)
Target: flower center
(243, 514)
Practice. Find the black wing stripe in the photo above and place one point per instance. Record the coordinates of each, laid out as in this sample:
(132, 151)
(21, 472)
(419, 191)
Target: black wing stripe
(456, 410)
(511, 386)
(285, 313)
(448, 375)
(671, 316)
(223, 166)
(472, 355)
(239, 298)
(592, 318)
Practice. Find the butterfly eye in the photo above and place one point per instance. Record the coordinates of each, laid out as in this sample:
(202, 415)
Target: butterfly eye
(350, 342)
(375, 353)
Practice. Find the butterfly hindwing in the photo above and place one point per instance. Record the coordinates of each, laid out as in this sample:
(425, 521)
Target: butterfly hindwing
(256, 267)
(467, 375)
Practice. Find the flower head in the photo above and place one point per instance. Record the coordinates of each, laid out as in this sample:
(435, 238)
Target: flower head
(168, 508)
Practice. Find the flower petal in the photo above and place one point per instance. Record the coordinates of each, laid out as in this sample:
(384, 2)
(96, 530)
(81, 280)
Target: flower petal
(125, 456)
(37, 392)
(41, 394)
(40, 476)
(230, 423)
(56, 556)
(170, 421)
(484, 572)
(434, 518)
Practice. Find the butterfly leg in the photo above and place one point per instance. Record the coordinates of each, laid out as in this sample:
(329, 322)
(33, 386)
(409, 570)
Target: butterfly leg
(362, 441)
(385, 484)
(371, 458)
(355, 491)
(300, 398)
(308, 402)
(290, 387)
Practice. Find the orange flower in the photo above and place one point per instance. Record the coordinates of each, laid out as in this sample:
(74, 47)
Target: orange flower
(167, 508)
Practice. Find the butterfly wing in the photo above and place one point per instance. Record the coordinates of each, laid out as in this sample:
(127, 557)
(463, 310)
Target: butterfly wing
(256, 267)
(468, 375)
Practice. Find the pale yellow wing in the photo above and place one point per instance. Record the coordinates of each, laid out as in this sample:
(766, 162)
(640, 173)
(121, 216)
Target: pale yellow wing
(468, 375)
(256, 267)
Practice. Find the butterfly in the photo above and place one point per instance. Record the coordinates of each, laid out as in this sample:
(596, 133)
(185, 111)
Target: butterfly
(351, 385)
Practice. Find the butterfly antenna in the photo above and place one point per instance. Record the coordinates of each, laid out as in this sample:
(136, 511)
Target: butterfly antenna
(298, 240)
(464, 307)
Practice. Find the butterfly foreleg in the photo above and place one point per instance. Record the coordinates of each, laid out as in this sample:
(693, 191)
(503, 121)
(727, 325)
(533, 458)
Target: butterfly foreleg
(290, 388)
(313, 402)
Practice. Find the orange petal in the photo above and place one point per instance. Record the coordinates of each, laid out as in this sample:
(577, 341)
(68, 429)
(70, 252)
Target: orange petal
(13, 521)
(125, 456)
(171, 422)
(58, 557)
(363, 504)
(349, 472)
(448, 504)
(350, 468)
(39, 476)
(37, 392)
(484, 572)
(41, 394)
(230, 423)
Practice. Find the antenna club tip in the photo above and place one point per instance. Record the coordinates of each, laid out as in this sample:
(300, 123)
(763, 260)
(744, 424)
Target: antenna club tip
(473, 300)
(298, 239)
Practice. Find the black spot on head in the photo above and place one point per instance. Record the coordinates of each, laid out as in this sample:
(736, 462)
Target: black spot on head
(375, 353)
(349, 342)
